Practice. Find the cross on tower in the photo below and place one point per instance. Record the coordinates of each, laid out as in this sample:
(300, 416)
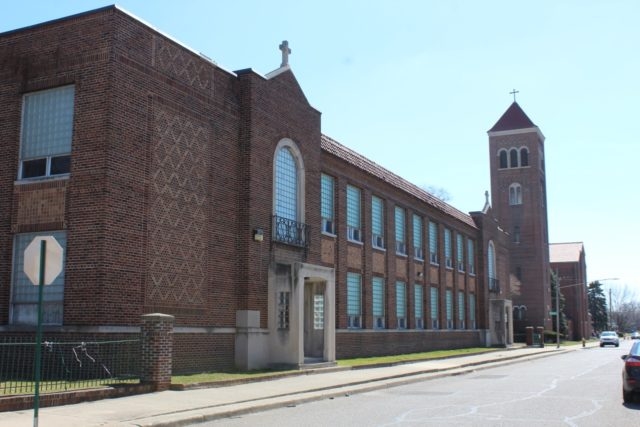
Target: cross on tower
(284, 47)
(513, 92)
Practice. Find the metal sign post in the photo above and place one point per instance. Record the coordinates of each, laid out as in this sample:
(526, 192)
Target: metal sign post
(36, 399)
(41, 267)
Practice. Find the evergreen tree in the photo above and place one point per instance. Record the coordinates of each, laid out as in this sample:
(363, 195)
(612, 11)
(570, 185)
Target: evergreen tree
(598, 306)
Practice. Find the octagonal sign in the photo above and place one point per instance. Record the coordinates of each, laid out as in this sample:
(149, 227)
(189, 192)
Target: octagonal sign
(52, 260)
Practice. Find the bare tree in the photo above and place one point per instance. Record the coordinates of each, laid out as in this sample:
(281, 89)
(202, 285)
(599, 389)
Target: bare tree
(437, 192)
(624, 309)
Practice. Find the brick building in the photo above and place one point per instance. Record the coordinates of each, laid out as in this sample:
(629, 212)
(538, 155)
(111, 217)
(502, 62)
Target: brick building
(568, 261)
(178, 187)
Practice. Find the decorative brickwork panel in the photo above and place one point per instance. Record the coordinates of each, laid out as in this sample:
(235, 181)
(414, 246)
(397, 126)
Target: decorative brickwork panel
(378, 262)
(177, 217)
(328, 251)
(40, 204)
(182, 64)
(434, 277)
(354, 257)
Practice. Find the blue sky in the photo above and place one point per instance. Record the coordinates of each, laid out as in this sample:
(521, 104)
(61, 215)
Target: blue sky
(415, 84)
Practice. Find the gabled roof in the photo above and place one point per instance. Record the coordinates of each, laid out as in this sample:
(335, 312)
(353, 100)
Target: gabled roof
(565, 252)
(334, 147)
(513, 118)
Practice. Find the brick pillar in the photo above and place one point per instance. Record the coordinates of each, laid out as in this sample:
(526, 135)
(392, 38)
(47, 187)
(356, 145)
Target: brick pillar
(156, 347)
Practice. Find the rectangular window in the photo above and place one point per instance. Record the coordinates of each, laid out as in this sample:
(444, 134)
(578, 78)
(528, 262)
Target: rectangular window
(401, 246)
(353, 214)
(433, 243)
(401, 305)
(418, 306)
(472, 311)
(377, 222)
(354, 300)
(283, 310)
(326, 204)
(47, 130)
(448, 253)
(418, 252)
(318, 311)
(378, 302)
(449, 308)
(24, 296)
(460, 251)
(434, 308)
(471, 256)
(461, 316)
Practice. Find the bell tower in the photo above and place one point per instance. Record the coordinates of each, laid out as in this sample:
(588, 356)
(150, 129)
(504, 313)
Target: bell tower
(519, 203)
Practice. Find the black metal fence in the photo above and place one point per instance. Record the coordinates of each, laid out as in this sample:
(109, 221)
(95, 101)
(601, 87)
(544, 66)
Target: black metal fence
(67, 365)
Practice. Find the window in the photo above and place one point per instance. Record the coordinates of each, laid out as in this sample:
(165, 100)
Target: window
(472, 311)
(513, 158)
(515, 194)
(433, 243)
(24, 296)
(353, 214)
(401, 247)
(448, 254)
(471, 256)
(326, 203)
(516, 234)
(378, 302)
(434, 308)
(460, 251)
(491, 268)
(449, 308)
(418, 310)
(503, 159)
(401, 305)
(47, 130)
(377, 222)
(461, 324)
(418, 252)
(354, 300)
(318, 312)
(283, 310)
(288, 199)
(286, 184)
(524, 156)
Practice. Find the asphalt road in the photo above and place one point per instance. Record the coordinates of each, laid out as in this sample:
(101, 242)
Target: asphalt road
(579, 388)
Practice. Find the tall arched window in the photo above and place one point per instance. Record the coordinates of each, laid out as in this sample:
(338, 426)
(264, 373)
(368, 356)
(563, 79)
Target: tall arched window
(491, 268)
(513, 158)
(286, 185)
(515, 194)
(288, 194)
(524, 156)
(503, 159)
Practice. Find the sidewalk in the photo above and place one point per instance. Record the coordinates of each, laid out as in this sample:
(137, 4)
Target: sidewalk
(182, 408)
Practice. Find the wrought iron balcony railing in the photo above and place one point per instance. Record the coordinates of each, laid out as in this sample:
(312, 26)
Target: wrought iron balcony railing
(290, 232)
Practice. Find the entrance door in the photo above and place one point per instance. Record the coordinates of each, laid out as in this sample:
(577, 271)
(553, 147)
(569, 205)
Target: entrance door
(314, 320)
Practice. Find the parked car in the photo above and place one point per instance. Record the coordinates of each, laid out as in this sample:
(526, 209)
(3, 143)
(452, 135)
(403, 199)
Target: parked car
(631, 373)
(635, 335)
(609, 338)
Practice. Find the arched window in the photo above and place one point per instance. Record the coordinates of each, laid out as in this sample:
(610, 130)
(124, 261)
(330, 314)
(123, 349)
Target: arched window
(513, 158)
(524, 156)
(288, 194)
(286, 185)
(515, 194)
(503, 159)
(491, 268)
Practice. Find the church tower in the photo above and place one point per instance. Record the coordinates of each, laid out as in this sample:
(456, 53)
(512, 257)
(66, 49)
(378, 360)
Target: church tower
(519, 203)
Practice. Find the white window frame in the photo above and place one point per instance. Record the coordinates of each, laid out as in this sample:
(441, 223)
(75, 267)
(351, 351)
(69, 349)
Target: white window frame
(515, 194)
(401, 305)
(51, 141)
(377, 293)
(354, 308)
(433, 243)
(448, 248)
(354, 233)
(418, 305)
(434, 302)
(327, 204)
(418, 240)
(377, 216)
(400, 220)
